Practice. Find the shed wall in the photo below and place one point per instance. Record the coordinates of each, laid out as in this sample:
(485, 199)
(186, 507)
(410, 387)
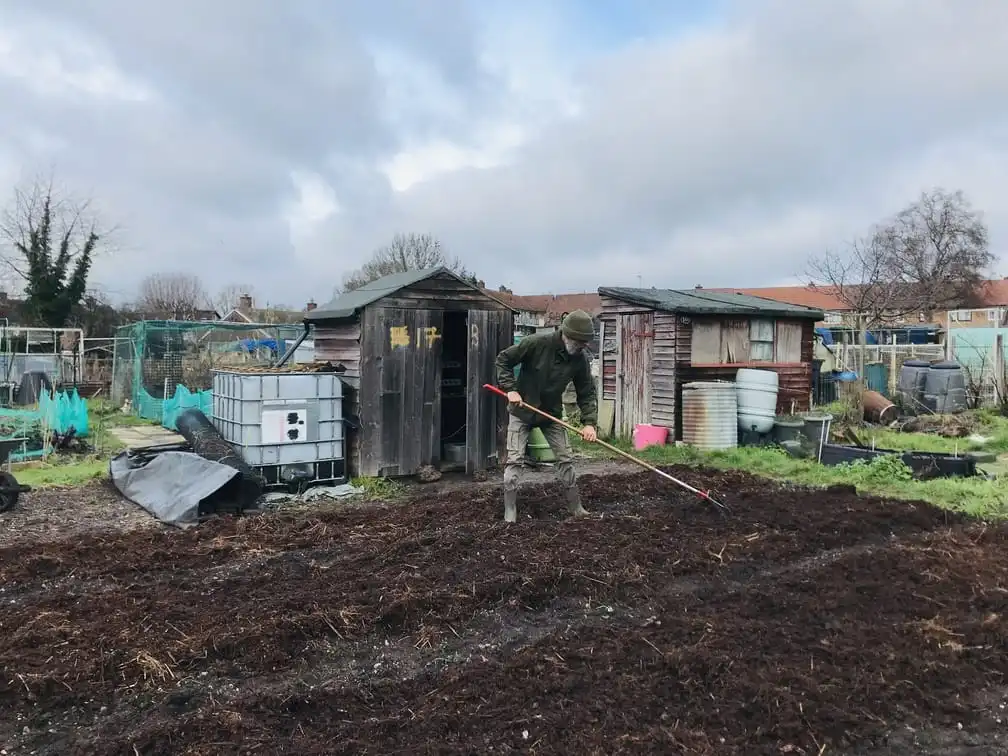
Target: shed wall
(795, 379)
(393, 372)
(339, 343)
(671, 359)
(638, 358)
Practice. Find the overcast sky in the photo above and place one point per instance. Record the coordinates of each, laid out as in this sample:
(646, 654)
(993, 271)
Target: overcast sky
(554, 146)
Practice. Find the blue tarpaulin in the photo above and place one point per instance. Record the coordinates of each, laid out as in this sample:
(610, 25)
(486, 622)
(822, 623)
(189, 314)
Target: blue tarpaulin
(250, 345)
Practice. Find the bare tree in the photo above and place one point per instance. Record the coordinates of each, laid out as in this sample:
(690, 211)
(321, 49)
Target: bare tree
(48, 243)
(229, 297)
(932, 255)
(937, 252)
(175, 296)
(404, 253)
(858, 278)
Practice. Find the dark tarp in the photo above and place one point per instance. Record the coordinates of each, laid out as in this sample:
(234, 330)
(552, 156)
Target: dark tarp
(176, 487)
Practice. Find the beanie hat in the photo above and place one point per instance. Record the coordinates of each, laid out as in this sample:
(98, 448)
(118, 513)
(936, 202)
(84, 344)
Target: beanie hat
(578, 326)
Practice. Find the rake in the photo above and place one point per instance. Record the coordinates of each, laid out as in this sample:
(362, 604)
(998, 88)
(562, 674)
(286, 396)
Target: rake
(705, 495)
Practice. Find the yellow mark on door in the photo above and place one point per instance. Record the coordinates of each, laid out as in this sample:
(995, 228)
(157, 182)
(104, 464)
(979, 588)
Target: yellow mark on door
(399, 336)
(430, 333)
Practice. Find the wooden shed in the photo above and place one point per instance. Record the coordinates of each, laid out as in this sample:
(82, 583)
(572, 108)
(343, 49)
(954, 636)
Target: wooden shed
(656, 340)
(417, 348)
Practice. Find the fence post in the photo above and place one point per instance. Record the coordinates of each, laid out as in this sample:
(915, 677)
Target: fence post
(999, 370)
(892, 366)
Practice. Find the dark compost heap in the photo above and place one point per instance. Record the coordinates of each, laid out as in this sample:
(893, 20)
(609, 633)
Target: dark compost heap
(810, 622)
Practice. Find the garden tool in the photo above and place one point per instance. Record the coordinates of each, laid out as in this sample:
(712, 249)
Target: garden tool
(705, 495)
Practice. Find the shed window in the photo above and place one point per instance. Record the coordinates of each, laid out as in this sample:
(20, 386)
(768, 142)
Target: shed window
(761, 340)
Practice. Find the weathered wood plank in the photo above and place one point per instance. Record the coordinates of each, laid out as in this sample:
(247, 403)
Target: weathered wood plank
(373, 340)
(705, 348)
(398, 326)
(635, 366)
(788, 346)
(734, 341)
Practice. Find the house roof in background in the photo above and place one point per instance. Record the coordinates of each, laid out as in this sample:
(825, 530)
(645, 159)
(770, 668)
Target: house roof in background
(350, 303)
(552, 305)
(992, 293)
(707, 302)
(820, 297)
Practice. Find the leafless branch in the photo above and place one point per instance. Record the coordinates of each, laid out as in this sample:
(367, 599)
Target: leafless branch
(229, 297)
(175, 296)
(72, 223)
(932, 255)
(404, 253)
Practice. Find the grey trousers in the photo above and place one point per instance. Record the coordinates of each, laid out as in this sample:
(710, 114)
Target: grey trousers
(517, 440)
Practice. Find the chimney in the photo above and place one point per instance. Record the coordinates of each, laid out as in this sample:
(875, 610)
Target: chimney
(3, 297)
(310, 306)
(245, 303)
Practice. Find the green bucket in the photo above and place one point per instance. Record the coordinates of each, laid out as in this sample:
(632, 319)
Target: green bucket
(538, 448)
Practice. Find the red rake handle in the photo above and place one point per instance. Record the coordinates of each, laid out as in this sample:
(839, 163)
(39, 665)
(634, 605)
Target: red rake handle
(610, 447)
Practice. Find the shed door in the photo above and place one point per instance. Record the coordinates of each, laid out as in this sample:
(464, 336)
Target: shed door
(486, 413)
(635, 343)
(401, 390)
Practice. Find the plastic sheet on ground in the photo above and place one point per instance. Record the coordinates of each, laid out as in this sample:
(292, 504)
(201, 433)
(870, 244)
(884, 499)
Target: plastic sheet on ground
(176, 487)
(311, 494)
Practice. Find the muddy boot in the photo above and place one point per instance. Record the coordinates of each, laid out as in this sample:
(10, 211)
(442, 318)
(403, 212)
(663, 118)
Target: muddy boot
(573, 498)
(510, 506)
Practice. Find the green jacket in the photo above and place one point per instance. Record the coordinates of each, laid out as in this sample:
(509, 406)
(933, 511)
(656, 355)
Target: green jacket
(546, 369)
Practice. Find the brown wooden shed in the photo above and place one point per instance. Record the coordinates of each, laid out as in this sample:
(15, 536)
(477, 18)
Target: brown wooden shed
(417, 348)
(656, 340)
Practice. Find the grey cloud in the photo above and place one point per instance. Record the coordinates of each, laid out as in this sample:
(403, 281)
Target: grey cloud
(723, 157)
(798, 109)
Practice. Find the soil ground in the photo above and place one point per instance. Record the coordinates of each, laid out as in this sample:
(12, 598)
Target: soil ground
(808, 622)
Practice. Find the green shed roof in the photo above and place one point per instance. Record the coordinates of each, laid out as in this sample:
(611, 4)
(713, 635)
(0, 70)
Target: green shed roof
(700, 302)
(348, 304)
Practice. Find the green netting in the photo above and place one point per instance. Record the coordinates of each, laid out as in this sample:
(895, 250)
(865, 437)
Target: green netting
(32, 427)
(165, 366)
(185, 399)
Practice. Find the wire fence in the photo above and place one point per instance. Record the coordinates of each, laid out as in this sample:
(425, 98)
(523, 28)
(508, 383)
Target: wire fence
(973, 348)
(161, 366)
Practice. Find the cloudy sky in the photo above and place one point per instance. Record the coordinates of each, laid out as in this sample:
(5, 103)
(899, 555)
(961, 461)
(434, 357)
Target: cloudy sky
(554, 146)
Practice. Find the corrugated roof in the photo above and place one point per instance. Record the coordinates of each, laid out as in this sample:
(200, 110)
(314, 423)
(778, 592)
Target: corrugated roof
(703, 302)
(348, 304)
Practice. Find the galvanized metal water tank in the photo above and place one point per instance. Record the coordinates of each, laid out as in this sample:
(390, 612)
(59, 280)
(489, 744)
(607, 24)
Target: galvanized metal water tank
(710, 415)
(757, 399)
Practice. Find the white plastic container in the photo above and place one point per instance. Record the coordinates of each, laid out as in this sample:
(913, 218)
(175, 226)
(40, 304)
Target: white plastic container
(757, 399)
(280, 418)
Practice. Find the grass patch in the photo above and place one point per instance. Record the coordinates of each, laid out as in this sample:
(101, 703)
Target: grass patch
(990, 425)
(77, 469)
(881, 477)
(378, 488)
(56, 472)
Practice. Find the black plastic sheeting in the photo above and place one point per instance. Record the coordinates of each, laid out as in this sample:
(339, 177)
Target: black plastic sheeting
(925, 465)
(31, 387)
(195, 428)
(177, 487)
